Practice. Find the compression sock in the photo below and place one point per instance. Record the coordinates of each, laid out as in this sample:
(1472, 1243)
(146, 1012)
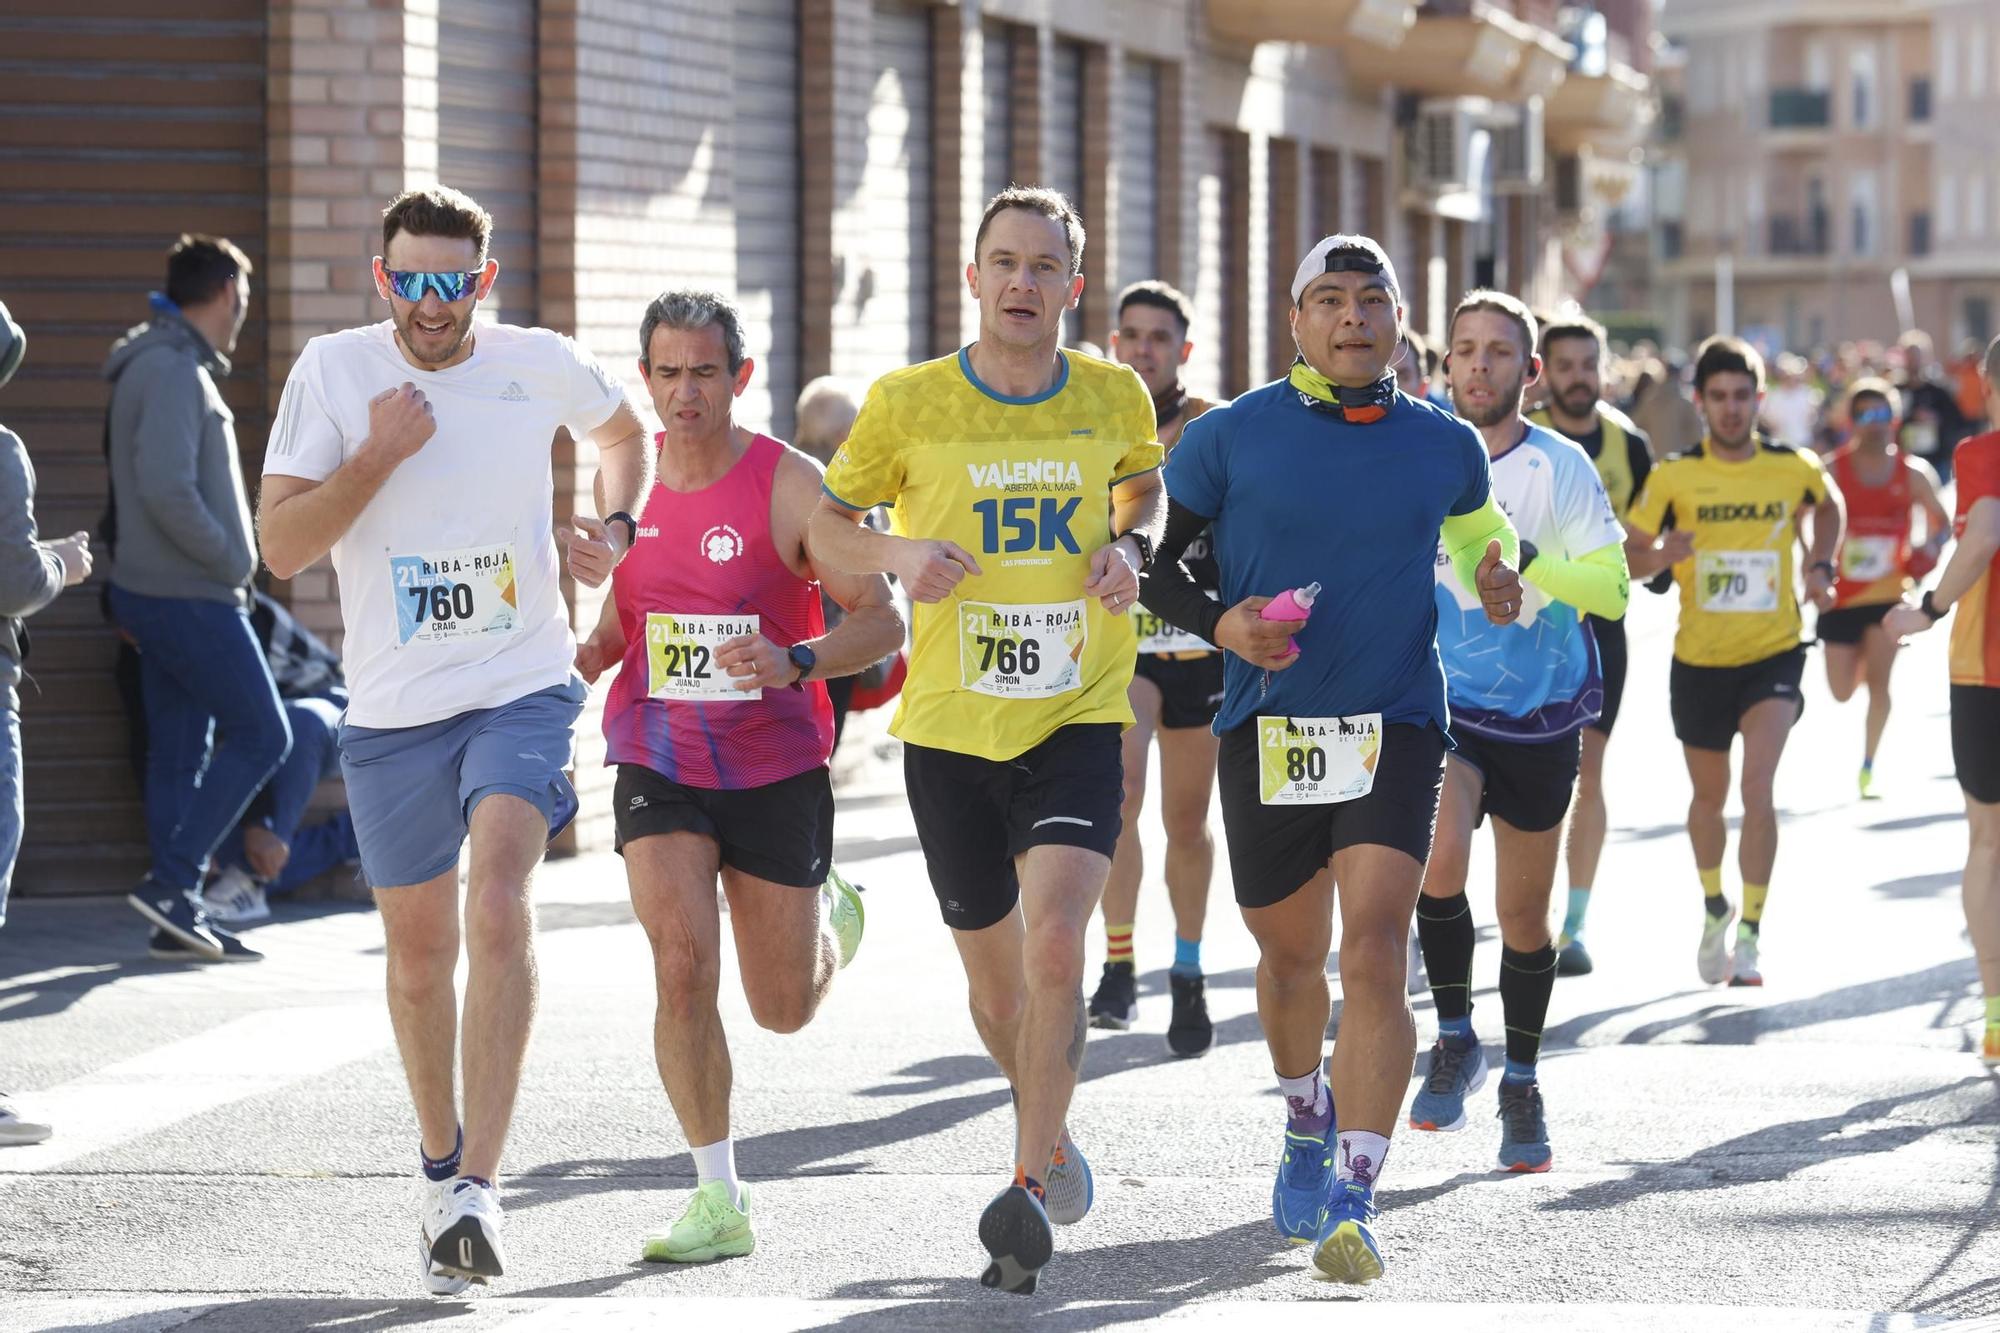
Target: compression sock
(1444, 930)
(1526, 982)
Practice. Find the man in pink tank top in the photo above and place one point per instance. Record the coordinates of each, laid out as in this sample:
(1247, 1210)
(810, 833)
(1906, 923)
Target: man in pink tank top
(720, 728)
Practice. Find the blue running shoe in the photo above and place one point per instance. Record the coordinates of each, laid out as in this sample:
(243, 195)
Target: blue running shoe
(1345, 1248)
(1524, 1132)
(1456, 1071)
(1300, 1193)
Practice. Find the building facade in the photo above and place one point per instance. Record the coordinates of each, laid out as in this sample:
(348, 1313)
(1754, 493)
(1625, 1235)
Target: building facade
(1840, 155)
(823, 161)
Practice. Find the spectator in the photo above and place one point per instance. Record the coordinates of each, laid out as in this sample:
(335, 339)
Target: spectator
(1932, 422)
(180, 567)
(1791, 406)
(32, 572)
(1663, 411)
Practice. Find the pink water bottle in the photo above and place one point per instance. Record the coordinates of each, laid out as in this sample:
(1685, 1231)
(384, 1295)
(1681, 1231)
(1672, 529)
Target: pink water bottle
(1292, 604)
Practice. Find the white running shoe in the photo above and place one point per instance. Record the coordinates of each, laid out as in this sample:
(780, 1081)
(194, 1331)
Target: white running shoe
(434, 1203)
(16, 1129)
(1712, 962)
(1744, 971)
(467, 1241)
(235, 900)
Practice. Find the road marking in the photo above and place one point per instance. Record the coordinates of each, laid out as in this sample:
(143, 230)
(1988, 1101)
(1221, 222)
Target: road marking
(257, 1053)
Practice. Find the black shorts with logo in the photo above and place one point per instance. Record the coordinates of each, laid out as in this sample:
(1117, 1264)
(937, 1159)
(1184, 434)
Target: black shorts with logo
(1275, 849)
(1190, 688)
(1708, 703)
(1975, 740)
(1611, 654)
(1526, 783)
(1846, 624)
(781, 832)
(975, 815)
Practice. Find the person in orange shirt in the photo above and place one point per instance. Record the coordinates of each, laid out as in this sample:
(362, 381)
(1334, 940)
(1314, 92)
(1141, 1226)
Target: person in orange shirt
(1971, 580)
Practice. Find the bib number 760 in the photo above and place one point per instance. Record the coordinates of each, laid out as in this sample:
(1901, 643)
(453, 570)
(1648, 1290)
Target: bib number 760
(442, 601)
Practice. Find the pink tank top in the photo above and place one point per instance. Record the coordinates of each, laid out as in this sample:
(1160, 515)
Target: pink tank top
(702, 565)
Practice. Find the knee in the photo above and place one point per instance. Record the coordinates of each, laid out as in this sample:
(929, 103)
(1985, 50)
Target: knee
(1288, 963)
(782, 1009)
(996, 1006)
(1054, 956)
(1373, 962)
(1706, 804)
(270, 737)
(685, 980)
(421, 960)
(1186, 825)
(1757, 793)
(1524, 927)
(498, 919)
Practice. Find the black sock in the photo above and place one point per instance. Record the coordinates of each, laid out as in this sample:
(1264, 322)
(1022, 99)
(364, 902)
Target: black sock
(1526, 982)
(444, 1168)
(1444, 930)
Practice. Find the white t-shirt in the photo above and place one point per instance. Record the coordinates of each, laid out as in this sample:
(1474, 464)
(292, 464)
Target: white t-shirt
(449, 578)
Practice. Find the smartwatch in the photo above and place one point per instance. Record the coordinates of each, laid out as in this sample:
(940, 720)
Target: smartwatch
(805, 659)
(1930, 607)
(631, 527)
(1145, 545)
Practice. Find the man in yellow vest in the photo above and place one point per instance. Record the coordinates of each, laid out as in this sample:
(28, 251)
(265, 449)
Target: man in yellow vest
(1573, 365)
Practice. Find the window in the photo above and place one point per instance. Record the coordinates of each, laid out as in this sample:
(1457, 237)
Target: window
(1861, 204)
(1947, 207)
(1975, 58)
(1861, 83)
(1975, 206)
(1944, 56)
(1920, 235)
(1920, 100)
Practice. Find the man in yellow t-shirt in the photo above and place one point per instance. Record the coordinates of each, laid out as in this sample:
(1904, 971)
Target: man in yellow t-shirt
(1727, 516)
(1026, 492)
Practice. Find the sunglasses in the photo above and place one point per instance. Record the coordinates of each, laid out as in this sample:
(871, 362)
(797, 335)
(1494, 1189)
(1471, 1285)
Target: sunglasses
(449, 287)
(1874, 416)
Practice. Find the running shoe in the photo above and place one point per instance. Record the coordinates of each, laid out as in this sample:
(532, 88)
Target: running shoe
(1457, 1070)
(235, 900)
(1344, 1248)
(1190, 1031)
(1116, 1004)
(844, 912)
(16, 1129)
(179, 914)
(711, 1228)
(1572, 959)
(1067, 1195)
(1989, 1049)
(1867, 784)
(1524, 1132)
(164, 948)
(1015, 1231)
(1712, 960)
(1300, 1192)
(467, 1239)
(1743, 971)
(434, 1202)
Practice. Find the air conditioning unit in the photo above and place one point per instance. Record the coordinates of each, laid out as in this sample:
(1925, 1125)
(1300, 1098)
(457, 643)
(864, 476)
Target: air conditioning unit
(1518, 156)
(1438, 146)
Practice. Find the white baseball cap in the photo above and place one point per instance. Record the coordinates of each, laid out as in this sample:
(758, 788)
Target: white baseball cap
(1345, 254)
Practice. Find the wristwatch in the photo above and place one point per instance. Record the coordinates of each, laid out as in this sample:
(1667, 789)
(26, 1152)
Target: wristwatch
(631, 527)
(1145, 545)
(1930, 607)
(805, 659)
(1832, 574)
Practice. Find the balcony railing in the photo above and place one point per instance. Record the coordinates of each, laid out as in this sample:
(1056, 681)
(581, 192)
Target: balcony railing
(1810, 235)
(1800, 109)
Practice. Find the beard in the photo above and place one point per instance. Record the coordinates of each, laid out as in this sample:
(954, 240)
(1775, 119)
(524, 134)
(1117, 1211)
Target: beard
(1577, 400)
(406, 332)
(1506, 403)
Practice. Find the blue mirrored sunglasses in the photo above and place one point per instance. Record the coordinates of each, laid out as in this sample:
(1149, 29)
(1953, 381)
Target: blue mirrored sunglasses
(448, 286)
(1874, 416)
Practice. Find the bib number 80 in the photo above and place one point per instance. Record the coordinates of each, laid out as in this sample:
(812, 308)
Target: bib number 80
(1303, 763)
(1010, 657)
(443, 601)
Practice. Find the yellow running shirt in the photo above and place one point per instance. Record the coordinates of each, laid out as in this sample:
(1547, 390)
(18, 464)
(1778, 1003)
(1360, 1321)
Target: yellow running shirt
(1024, 484)
(1739, 595)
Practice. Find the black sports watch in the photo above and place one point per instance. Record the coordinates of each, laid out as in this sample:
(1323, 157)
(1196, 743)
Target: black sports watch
(631, 527)
(1930, 607)
(1145, 545)
(1832, 574)
(805, 659)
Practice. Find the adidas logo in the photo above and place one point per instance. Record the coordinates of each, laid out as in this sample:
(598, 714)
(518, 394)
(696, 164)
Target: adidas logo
(514, 393)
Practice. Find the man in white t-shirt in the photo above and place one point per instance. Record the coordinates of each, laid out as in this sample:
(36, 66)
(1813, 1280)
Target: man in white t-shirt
(419, 452)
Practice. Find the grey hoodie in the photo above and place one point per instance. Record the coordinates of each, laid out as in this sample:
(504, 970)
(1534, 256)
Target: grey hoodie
(30, 573)
(183, 516)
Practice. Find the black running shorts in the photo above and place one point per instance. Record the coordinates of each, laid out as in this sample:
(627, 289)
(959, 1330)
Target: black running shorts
(1275, 849)
(1708, 703)
(1846, 624)
(781, 832)
(975, 815)
(1610, 636)
(1975, 740)
(1190, 688)
(1526, 783)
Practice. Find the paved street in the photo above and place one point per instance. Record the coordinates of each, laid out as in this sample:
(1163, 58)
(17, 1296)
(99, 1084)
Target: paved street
(234, 1146)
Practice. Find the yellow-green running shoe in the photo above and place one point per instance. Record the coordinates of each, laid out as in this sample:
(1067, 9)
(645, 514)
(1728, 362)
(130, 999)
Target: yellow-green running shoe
(711, 1228)
(844, 912)
(1867, 783)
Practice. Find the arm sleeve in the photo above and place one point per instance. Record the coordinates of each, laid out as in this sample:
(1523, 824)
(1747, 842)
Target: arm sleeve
(593, 394)
(1138, 427)
(166, 462)
(30, 573)
(1465, 537)
(1596, 582)
(868, 469)
(305, 440)
(1168, 590)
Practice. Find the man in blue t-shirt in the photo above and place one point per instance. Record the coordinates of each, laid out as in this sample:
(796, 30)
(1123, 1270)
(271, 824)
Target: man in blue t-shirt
(1331, 755)
(1520, 697)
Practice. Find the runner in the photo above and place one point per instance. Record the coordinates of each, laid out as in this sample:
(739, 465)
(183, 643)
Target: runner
(1726, 516)
(1882, 487)
(720, 728)
(1520, 697)
(1028, 475)
(1573, 367)
(1972, 579)
(1175, 689)
(420, 454)
(1331, 755)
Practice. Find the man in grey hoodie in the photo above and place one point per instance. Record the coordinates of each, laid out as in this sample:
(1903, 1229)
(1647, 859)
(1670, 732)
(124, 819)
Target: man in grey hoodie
(32, 572)
(180, 569)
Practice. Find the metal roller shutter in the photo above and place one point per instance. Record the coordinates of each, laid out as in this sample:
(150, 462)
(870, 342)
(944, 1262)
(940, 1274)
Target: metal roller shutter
(1065, 144)
(1139, 172)
(894, 328)
(767, 205)
(486, 134)
(122, 124)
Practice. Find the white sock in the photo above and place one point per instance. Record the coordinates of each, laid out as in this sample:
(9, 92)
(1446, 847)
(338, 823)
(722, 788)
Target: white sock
(718, 1162)
(1360, 1156)
(1305, 1096)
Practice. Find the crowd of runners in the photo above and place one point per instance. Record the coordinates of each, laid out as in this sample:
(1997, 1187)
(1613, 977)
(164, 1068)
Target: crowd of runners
(1097, 562)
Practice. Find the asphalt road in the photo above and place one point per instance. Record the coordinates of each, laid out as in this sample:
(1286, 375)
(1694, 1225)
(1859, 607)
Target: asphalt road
(234, 1148)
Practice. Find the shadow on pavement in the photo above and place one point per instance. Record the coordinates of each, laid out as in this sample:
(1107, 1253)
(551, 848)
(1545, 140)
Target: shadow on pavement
(1920, 886)
(293, 1312)
(1915, 821)
(1733, 1025)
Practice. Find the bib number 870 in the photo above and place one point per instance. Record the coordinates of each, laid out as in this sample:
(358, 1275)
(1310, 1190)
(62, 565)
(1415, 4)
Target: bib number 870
(1728, 585)
(1010, 657)
(443, 601)
(1303, 763)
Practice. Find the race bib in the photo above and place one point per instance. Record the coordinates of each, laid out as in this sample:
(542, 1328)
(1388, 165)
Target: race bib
(445, 596)
(1317, 760)
(1157, 636)
(680, 656)
(1865, 559)
(1729, 581)
(1022, 650)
